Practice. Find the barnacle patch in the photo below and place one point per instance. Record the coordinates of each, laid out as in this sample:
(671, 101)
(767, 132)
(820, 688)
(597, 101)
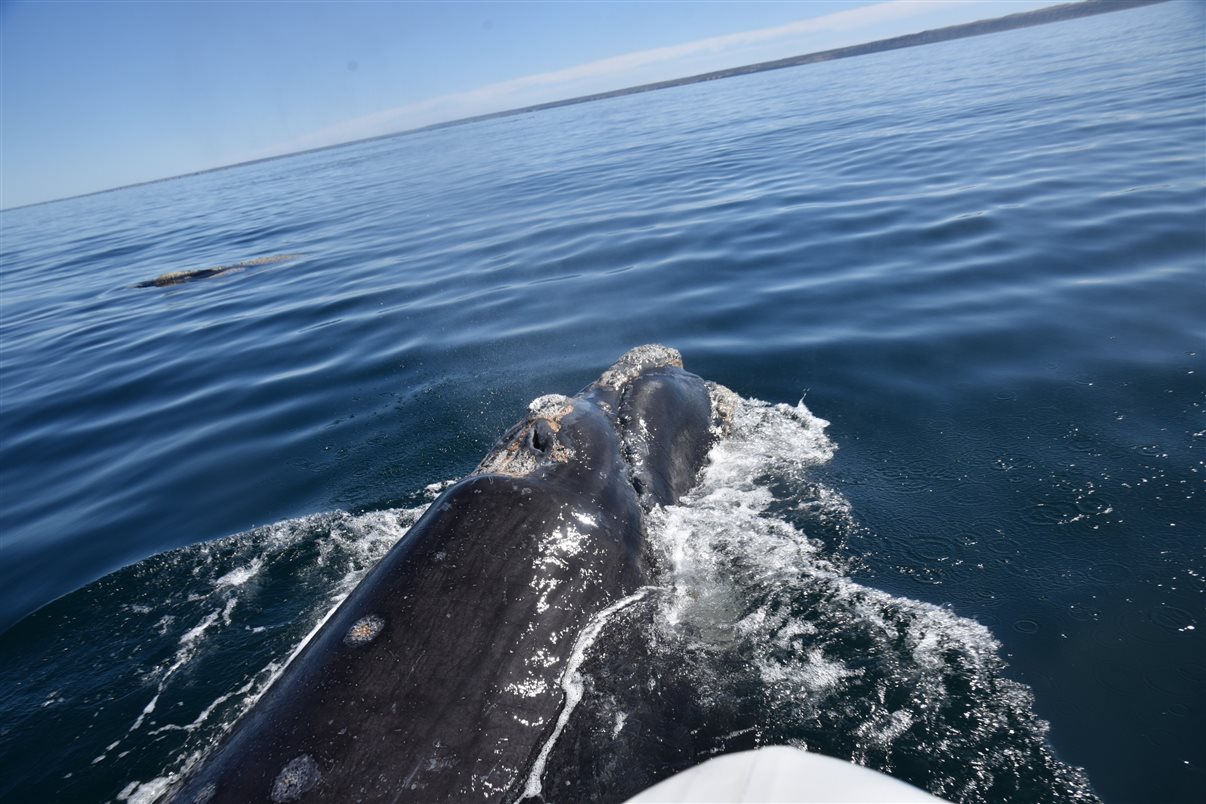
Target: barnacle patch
(550, 406)
(724, 409)
(638, 359)
(364, 630)
(534, 441)
(299, 776)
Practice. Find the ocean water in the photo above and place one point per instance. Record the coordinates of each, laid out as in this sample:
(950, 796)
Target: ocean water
(957, 536)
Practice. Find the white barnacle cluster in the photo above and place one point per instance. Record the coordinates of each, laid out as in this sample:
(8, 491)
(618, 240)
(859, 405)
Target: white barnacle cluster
(638, 359)
(295, 779)
(550, 406)
(511, 460)
(724, 409)
(516, 458)
(364, 630)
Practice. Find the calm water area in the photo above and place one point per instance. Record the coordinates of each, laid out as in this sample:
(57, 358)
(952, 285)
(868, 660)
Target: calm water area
(982, 262)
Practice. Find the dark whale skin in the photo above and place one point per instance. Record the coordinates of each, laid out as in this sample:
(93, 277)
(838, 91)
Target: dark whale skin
(438, 678)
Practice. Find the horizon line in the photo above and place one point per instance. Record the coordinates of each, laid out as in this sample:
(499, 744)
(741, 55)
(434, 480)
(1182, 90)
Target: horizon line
(1040, 16)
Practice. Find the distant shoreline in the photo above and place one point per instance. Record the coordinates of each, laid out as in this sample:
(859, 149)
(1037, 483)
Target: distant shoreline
(1025, 19)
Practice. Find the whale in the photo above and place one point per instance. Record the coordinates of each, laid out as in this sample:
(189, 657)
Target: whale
(180, 277)
(443, 675)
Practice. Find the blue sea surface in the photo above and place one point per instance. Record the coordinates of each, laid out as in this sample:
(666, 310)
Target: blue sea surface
(983, 262)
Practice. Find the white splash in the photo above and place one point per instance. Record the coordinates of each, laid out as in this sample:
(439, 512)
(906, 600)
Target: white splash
(241, 575)
(741, 573)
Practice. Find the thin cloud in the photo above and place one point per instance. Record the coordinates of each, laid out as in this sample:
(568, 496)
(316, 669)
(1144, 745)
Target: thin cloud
(615, 72)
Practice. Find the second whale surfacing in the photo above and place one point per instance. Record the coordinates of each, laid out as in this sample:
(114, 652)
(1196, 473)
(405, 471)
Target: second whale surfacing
(441, 676)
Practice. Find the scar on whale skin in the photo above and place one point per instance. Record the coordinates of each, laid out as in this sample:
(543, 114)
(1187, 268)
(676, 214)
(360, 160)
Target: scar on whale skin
(180, 277)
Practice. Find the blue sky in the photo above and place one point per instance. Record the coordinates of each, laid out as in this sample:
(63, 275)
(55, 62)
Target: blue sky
(95, 95)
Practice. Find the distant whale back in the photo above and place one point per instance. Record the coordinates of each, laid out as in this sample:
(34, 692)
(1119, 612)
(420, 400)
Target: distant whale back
(180, 277)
